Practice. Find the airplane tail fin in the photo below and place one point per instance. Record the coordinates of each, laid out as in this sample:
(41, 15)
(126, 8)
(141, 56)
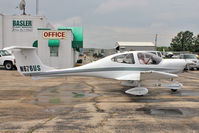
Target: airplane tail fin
(28, 62)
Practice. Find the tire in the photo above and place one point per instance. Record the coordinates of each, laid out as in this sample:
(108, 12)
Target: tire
(173, 90)
(8, 65)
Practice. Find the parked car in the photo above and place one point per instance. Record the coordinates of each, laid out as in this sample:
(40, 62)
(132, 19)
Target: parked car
(190, 58)
(7, 60)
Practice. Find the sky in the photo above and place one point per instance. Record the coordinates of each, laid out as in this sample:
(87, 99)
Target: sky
(107, 21)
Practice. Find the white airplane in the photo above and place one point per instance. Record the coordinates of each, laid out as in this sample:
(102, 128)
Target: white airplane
(131, 67)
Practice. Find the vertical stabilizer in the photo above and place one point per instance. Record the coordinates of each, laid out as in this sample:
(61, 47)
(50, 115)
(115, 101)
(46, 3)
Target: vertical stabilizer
(28, 62)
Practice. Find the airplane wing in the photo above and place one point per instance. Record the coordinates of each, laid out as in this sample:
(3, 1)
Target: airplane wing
(147, 75)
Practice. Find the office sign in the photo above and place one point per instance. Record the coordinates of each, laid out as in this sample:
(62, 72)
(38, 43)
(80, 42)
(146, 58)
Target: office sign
(54, 34)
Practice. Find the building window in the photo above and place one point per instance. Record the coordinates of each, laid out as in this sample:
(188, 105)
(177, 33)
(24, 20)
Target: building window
(54, 47)
(54, 51)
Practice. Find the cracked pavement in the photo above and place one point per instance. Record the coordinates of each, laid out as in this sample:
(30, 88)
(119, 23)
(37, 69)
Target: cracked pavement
(87, 104)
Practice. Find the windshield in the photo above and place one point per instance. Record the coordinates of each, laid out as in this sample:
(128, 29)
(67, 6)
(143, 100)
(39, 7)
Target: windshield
(148, 58)
(190, 56)
(4, 53)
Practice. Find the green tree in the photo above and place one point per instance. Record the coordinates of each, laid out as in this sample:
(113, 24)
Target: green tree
(102, 50)
(196, 43)
(161, 48)
(183, 41)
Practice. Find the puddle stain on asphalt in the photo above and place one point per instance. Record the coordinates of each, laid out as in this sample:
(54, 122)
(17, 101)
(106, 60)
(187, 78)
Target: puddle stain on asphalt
(161, 111)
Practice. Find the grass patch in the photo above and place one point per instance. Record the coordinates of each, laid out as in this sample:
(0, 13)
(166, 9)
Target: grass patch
(55, 101)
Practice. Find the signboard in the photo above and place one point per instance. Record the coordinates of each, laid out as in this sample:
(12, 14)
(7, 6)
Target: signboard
(54, 34)
(22, 25)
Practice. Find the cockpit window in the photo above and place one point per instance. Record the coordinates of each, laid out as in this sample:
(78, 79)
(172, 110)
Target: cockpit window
(148, 58)
(124, 58)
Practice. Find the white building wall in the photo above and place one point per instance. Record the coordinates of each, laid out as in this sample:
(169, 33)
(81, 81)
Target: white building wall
(66, 54)
(76, 56)
(8, 37)
(1, 31)
(21, 38)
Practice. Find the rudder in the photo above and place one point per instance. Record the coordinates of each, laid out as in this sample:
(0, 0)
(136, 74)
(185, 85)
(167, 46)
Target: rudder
(28, 62)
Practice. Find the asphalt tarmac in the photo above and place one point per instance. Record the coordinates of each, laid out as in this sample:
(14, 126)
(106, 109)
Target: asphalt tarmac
(95, 105)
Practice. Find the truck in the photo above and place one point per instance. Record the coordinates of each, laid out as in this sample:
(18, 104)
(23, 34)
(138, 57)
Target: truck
(7, 60)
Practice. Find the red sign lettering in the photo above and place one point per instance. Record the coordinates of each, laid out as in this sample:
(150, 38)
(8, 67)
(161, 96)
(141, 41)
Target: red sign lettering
(54, 35)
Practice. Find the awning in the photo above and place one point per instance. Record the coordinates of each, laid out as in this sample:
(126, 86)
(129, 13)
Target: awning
(78, 36)
(53, 43)
(35, 43)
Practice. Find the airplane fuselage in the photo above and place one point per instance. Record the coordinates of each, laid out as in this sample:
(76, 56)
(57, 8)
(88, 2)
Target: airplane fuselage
(108, 68)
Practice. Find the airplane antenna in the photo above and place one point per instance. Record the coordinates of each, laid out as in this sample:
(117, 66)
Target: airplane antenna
(22, 6)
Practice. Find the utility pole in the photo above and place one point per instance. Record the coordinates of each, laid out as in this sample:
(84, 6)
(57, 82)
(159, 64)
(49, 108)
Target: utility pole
(156, 39)
(37, 7)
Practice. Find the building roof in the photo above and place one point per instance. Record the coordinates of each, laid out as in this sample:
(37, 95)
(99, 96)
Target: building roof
(151, 44)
